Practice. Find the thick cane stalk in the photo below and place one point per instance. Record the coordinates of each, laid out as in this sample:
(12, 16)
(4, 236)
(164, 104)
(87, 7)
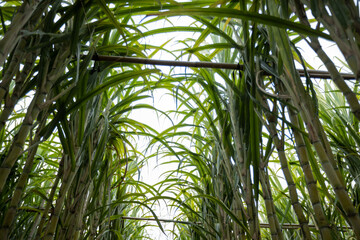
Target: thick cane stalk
(19, 139)
(12, 68)
(320, 143)
(69, 175)
(239, 208)
(46, 82)
(242, 170)
(15, 96)
(275, 228)
(35, 224)
(12, 36)
(304, 104)
(311, 183)
(322, 147)
(50, 200)
(342, 24)
(74, 212)
(20, 185)
(304, 223)
(329, 64)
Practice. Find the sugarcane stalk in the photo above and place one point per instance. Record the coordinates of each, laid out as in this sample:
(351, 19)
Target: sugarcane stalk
(321, 145)
(19, 139)
(319, 141)
(20, 79)
(50, 199)
(12, 35)
(314, 43)
(279, 144)
(275, 228)
(234, 117)
(350, 96)
(292, 188)
(242, 171)
(342, 34)
(69, 175)
(311, 183)
(20, 185)
(46, 82)
(35, 224)
(74, 216)
(303, 102)
(12, 68)
(228, 170)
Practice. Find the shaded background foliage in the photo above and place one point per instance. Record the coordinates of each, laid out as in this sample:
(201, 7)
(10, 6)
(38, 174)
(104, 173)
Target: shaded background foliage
(260, 151)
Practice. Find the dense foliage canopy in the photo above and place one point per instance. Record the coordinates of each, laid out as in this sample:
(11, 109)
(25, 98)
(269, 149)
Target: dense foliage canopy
(269, 150)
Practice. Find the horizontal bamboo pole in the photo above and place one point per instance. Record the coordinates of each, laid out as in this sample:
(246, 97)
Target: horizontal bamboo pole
(159, 219)
(312, 73)
(262, 225)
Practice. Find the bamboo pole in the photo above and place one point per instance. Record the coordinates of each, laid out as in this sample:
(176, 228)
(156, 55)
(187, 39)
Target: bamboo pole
(102, 58)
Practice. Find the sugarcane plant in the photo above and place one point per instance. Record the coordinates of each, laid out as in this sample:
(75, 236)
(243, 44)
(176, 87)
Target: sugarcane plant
(261, 152)
(69, 157)
(283, 105)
